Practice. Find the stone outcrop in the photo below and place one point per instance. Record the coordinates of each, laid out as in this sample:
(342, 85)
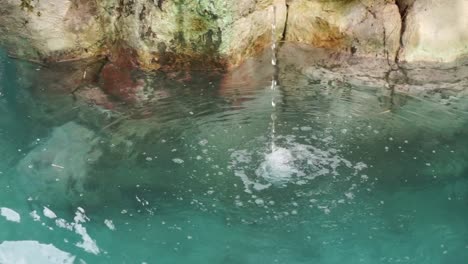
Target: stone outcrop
(215, 34)
(154, 33)
(172, 32)
(435, 31)
(400, 30)
(368, 27)
(51, 29)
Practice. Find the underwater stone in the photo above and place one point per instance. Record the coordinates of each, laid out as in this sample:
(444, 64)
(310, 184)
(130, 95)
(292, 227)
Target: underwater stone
(59, 166)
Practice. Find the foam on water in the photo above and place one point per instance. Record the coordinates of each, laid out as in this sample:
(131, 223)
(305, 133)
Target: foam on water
(292, 163)
(10, 214)
(28, 252)
(278, 167)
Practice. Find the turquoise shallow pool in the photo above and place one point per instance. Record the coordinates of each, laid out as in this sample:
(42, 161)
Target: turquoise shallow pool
(208, 171)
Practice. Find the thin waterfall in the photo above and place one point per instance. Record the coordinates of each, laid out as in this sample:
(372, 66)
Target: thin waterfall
(274, 79)
(273, 38)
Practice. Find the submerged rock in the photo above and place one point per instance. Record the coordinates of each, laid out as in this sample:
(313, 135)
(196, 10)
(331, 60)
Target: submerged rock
(59, 166)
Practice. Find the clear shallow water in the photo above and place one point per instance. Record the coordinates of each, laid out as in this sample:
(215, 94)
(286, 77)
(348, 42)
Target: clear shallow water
(195, 175)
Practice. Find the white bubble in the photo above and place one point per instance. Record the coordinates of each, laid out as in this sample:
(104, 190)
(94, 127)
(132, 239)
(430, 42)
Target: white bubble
(10, 214)
(178, 161)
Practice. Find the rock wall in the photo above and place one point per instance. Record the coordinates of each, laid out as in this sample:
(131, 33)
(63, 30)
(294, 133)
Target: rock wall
(51, 29)
(435, 31)
(156, 33)
(403, 30)
(367, 27)
(168, 32)
(174, 33)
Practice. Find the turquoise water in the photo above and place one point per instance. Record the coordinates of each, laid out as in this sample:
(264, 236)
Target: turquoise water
(207, 171)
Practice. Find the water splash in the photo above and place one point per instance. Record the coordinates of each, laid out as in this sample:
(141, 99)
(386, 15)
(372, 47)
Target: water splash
(295, 163)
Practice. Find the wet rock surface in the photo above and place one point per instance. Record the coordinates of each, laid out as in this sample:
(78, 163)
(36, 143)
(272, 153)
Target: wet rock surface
(183, 34)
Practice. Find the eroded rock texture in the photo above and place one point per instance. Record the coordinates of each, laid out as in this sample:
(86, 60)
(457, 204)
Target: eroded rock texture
(155, 33)
(435, 31)
(166, 33)
(363, 27)
(213, 33)
(51, 29)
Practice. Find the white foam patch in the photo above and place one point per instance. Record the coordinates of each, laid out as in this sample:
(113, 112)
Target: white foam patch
(178, 161)
(248, 183)
(35, 216)
(109, 224)
(32, 252)
(10, 215)
(87, 244)
(48, 213)
(289, 163)
(278, 166)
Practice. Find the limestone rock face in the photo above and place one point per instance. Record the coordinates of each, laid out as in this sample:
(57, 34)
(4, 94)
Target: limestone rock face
(167, 32)
(217, 33)
(435, 31)
(51, 29)
(364, 27)
(156, 33)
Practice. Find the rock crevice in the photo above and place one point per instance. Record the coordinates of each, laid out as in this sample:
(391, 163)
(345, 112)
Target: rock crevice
(403, 8)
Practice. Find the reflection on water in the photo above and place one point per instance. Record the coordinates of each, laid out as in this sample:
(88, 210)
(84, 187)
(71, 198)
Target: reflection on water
(187, 174)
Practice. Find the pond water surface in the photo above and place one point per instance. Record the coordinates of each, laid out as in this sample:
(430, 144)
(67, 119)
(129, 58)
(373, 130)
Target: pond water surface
(209, 172)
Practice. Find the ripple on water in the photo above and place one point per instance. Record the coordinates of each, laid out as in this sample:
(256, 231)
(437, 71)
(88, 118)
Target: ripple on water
(355, 174)
(290, 163)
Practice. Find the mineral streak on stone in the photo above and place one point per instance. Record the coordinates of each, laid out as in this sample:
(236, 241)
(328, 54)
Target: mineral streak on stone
(116, 75)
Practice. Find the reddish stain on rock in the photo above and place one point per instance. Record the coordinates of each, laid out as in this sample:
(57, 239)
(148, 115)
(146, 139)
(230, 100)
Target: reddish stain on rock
(118, 82)
(116, 75)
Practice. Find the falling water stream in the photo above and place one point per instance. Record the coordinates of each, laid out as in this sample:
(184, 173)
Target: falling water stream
(274, 80)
